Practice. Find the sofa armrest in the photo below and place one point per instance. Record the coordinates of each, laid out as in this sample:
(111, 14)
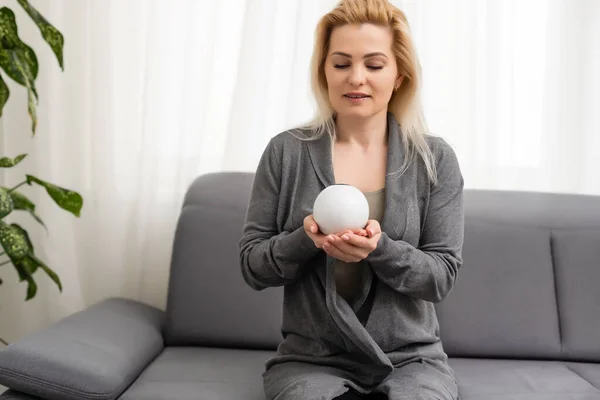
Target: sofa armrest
(14, 395)
(93, 354)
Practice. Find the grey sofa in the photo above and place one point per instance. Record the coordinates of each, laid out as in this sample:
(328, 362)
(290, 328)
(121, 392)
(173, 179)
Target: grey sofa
(522, 323)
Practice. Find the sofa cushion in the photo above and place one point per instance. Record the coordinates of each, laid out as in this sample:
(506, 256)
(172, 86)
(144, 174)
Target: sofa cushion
(577, 261)
(94, 354)
(186, 373)
(209, 303)
(480, 379)
(14, 395)
(527, 288)
(503, 303)
(588, 371)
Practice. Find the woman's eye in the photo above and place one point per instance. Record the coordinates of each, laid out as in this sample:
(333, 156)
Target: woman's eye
(344, 66)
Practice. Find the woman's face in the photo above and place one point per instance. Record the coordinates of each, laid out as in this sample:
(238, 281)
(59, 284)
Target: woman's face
(361, 70)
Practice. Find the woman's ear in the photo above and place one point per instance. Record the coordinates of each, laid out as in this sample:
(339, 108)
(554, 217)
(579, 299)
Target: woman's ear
(398, 81)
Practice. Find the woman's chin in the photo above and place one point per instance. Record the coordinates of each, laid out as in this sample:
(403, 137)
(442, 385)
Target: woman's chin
(356, 112)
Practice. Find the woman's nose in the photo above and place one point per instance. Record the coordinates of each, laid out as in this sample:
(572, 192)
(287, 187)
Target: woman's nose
(357, 76)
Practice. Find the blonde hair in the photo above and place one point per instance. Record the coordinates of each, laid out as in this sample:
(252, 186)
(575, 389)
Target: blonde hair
(404, 104)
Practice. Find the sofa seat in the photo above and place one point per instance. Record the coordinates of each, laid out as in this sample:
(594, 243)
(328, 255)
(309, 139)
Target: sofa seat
(191, 373)
(490, 379)
(194, 373)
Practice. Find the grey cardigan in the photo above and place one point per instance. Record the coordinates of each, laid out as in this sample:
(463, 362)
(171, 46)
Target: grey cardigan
(414, 265)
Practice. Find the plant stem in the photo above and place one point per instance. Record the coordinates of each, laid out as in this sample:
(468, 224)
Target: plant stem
(18, 186)
(2, 341)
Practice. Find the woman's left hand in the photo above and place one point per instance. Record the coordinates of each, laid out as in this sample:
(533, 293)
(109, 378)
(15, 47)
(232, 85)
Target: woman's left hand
(350, 247)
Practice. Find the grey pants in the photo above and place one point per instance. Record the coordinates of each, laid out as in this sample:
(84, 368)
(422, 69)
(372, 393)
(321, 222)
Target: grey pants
(425, 380)
(420, 381)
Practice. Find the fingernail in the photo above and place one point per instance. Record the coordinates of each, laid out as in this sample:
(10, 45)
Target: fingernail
(345, 237)
(312, 229)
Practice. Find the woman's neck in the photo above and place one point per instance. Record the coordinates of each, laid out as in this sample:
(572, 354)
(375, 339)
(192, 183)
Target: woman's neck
(363, 132)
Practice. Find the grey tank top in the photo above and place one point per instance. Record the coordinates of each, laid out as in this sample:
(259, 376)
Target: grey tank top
(350, 278)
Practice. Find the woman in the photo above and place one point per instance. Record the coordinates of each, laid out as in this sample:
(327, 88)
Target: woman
(358, 313)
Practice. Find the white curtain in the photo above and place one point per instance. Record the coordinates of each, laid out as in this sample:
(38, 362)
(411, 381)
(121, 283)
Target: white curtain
(156, 92)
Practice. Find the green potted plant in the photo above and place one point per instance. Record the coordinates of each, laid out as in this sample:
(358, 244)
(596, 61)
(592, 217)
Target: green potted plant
(19, 62)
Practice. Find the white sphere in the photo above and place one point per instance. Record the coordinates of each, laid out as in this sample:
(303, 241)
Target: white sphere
(340, 207)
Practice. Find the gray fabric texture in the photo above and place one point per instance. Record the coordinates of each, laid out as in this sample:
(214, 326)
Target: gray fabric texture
(534, 209)
(191, 373)
(527, 285)
(415, 264)
(14, 395)
(490, 379)
(420, 380)
(227, 374)
(504, 303)
(588, 371)
(209, 304)
(93, 354)
(577, 259)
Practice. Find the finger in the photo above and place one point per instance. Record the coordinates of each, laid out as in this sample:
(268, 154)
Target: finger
(355, 240)
(325, 239)
(314, 228)
(373, 227)
(348, 249)
(317, 238)
(335, 252)
(361, 232)
(310, 224)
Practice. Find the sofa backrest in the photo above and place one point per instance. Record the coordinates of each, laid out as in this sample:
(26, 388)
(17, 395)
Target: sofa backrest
(208, 302)
(527, 289)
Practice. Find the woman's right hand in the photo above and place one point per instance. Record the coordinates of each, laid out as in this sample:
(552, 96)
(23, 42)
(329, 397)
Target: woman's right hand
(319, 239)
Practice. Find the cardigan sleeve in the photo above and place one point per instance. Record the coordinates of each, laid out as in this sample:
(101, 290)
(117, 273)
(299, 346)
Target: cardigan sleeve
(269, 257)
(429, 271)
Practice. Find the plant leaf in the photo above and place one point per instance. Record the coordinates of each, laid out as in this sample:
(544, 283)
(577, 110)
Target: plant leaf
(27, 267)
(18, 60)
(24, 275)
(15, 241)
(20, 202)
(38, 219)
(6, 162)
(31, 93)
(66, 199)
(6, 203)
(47, 270)
(24, 265)
(50, 34)
(31, 103)
(4, 94)
(11, 47)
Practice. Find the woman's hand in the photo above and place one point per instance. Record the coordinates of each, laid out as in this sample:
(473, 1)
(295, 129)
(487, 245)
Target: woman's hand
(350, 247)
(312, 230)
